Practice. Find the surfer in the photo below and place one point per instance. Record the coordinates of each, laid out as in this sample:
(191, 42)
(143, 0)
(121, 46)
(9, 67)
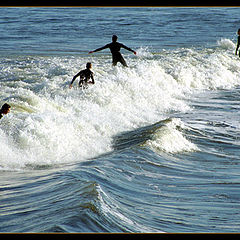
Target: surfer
(5, 109)
(115, 50)
(238, 42)
(85, 75)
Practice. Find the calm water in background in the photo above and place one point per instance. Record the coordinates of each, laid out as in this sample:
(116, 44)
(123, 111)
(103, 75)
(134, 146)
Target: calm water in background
(34, 30)
(149, 148)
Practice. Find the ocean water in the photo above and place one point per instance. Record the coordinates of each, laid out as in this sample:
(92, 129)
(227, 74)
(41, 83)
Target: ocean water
(154, 147)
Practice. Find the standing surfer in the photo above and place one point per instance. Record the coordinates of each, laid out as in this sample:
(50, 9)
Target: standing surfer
(238, 42)
(115, 50)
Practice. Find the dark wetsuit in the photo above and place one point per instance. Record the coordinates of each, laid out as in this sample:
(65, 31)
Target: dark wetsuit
(238, 44)
(85, 75)
(115, 50)
(1, 115)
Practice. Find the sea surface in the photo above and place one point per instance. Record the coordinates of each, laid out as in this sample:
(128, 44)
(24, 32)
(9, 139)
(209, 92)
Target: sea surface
(151, 148)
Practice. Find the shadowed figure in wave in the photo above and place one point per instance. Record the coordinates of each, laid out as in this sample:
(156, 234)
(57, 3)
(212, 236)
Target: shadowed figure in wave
(238, 43)
(84, 75)
(4, 110)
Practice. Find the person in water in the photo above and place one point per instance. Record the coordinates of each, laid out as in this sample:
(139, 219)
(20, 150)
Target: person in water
(84, 75)
(238, 42)
(115, 50)
(4, 110)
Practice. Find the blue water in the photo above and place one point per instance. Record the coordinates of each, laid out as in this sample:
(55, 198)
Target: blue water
(149, 148)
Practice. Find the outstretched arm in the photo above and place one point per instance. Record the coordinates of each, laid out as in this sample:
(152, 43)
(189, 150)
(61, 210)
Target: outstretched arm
(70, 86)
(99, 49)
(129, 49)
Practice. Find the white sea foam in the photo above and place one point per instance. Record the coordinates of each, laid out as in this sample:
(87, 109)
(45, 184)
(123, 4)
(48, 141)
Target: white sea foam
(169, 139)
(226, 44)
(51, 124)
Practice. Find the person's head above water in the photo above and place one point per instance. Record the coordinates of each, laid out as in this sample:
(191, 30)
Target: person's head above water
(89, 65)
(114, 38)
(238, 32)
(5, 108)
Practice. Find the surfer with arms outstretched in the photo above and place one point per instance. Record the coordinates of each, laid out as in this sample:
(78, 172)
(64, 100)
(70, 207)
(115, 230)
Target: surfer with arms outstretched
(115, 50)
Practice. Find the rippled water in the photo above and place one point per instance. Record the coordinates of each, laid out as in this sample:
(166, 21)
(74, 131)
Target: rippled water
(149, 148)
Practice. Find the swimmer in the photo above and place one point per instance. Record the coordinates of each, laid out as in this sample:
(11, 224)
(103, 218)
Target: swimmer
(85, 75)
(4, 110)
